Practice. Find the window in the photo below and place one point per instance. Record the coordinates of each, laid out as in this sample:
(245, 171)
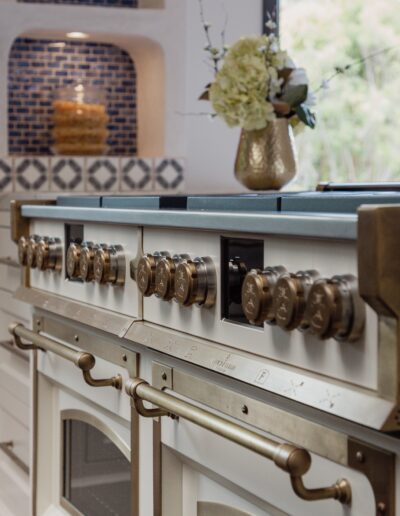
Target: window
(358, 131)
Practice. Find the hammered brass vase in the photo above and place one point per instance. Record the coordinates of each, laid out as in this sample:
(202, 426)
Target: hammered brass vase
(266, 159)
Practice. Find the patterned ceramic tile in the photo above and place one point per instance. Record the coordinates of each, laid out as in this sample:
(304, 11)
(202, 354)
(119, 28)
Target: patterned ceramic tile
(6, 174)
(31, 173)
(136, 174)
(169, 173)
(67, 174)
(102, 174)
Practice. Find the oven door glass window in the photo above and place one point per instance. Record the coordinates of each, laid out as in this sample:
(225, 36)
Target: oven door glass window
(97, 474)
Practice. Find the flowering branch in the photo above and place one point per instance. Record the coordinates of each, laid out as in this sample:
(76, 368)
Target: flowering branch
(215, 54)
(340, 70)
(209, 48)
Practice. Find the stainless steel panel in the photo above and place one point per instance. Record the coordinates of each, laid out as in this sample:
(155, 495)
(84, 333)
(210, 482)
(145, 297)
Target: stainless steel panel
(104, 320)
(284, 425)
(343, 400)
(92, 343)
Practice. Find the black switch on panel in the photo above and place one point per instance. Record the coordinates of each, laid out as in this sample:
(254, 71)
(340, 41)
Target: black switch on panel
(238, 256)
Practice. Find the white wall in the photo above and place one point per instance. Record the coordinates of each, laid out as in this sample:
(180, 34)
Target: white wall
(211, 145)
(167, 45)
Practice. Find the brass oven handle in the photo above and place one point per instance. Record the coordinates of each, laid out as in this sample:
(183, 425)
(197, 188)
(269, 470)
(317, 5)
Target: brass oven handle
(7, 449)
(85, 361)
(7, 260)
(295, 461)
(9, 346)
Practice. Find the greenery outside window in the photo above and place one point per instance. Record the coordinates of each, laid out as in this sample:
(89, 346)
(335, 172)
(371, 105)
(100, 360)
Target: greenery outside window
(358, 114)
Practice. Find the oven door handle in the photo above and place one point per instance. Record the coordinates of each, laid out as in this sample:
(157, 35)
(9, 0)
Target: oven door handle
(294, 460)
(85, 361)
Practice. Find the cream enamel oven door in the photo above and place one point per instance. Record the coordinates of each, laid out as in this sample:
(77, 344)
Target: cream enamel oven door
(83, 456)
(84, 423)
(192, 490)
(212, 460)
(202, 474)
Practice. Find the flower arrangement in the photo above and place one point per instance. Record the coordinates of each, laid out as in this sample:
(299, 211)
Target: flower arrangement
(256, 82)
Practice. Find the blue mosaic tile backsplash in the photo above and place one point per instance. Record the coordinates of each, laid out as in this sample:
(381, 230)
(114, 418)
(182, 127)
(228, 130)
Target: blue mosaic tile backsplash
(104, 3)
(39, 67)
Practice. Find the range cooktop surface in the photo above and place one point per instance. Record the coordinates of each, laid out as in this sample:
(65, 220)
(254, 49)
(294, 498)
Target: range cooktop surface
(331, 200)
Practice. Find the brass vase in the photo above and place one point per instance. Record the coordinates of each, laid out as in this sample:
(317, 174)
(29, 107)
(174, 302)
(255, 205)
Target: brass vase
(266, 158)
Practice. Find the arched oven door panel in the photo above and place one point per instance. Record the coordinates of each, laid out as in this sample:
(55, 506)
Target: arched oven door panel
(96, 466)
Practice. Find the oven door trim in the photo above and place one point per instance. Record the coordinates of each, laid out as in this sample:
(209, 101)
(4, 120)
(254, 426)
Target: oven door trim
(90, 419)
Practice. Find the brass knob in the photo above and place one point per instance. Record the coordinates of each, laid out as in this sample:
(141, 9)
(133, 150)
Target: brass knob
(145, 273)
(42, 255)
(257, 294)
(31, 253)
(73, 259)
(101, 265)
(165, 276)
(335, 310)
(86, 259)
(48, 254)
(290, 295)
(23, 250)
(195, 282)
(109, 265)
(186, 283)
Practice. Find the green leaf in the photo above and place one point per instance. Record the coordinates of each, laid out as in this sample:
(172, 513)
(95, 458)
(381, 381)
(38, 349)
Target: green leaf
(294, 95)
(306, 115)
(206, 93)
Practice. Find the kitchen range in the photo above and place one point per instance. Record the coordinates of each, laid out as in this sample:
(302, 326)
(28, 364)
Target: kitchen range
(213, 355)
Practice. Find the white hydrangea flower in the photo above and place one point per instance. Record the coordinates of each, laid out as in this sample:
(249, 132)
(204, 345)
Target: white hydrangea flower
(246, 82)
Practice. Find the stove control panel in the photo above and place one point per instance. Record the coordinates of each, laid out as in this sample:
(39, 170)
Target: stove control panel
(43, 253)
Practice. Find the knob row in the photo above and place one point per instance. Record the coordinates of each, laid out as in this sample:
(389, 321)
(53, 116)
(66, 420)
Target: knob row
(41, 253)
(96, 262)
(89, 262)
(328, 308)
(187, 281)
